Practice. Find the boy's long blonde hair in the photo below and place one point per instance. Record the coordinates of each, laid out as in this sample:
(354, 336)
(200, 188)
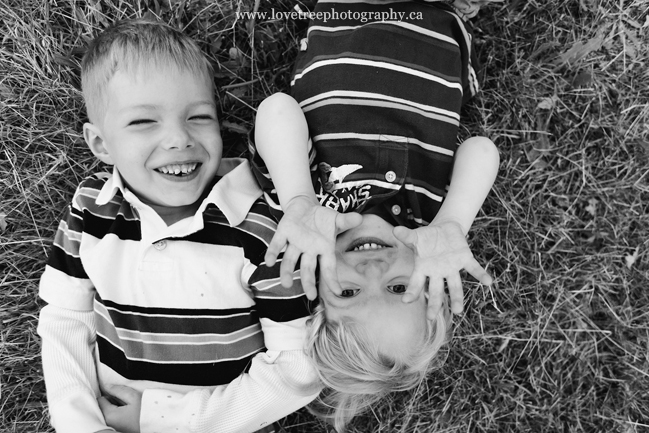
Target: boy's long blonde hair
(356, 375)
(129, 46)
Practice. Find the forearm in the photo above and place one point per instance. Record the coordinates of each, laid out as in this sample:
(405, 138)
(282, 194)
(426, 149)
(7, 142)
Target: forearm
(278, 382)
(69, 369)
(474, 171)
(276, 385)
(281, 139)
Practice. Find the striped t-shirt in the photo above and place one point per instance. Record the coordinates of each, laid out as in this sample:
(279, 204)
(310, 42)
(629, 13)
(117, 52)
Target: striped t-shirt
(381, 84)
(178, 305)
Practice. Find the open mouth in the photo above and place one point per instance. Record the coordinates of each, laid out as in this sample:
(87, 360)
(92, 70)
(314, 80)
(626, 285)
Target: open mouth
(178, 170)
(367, 244)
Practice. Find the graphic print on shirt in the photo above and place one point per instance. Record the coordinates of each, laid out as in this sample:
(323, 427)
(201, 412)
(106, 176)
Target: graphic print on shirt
(332, 194)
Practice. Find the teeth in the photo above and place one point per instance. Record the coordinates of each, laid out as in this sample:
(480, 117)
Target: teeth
(368, 246)
(176, 169)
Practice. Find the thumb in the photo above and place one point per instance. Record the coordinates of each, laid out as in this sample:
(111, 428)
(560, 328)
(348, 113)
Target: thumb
(406, 235)
(124, 393)
(346, 221)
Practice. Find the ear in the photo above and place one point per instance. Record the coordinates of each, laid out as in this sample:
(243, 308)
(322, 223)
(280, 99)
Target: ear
(93, 136)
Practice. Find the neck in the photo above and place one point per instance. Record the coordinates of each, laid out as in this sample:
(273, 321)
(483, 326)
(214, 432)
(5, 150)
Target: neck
(171, 215)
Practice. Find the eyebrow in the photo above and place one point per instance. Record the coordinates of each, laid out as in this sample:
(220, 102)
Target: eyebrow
(154, 106)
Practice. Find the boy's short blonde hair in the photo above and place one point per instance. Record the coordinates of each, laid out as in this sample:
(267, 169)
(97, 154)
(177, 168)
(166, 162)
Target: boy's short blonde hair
(130, 45)
(354, 372)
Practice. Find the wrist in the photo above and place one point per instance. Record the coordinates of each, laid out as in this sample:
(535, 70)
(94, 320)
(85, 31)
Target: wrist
(307, 198)
(450, 222)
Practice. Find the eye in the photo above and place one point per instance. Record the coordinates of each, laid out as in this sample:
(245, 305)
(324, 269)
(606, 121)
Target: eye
(202, 117)
(140, 122)
(398, 289)
(348, 293)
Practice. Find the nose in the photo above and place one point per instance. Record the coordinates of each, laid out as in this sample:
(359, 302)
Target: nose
(178, 137)
(372, 268)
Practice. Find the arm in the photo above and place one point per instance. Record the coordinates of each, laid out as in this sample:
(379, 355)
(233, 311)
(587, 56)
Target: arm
(440, 249)
(281, 139)
(67, 329)
(307, 229)
(277, 384)
(69, 369)
(474, 172)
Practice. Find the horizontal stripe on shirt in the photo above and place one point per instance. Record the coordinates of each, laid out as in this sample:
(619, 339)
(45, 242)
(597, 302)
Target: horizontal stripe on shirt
(209, 374)
(376, 65)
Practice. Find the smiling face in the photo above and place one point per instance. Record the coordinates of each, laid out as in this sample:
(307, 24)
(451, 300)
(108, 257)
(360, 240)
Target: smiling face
(161, 132)
(373, 270)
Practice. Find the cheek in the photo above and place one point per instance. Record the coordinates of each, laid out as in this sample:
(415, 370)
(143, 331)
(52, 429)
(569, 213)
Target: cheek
(346, 273)
(406, 261)
(209, 136)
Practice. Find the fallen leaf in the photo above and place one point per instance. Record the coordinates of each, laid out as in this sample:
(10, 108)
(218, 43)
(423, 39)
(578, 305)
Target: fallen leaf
(236, 127)
(215, 46)
(535, 157)
(630, 260)
(64, 60)
(547, 103)
(592, 206)
(235, 53)
(579, 50)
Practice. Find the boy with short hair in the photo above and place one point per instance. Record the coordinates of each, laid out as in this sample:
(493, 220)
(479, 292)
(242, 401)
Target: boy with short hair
(382, 103)
(155, 290)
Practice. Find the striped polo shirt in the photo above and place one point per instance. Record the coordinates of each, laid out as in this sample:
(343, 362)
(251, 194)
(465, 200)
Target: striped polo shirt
(381, 84)
(179, 304)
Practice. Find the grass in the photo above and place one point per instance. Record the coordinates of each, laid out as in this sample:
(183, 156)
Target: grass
(559, 343)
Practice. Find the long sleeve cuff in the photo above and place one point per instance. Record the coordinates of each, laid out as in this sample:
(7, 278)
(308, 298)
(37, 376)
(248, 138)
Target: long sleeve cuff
(78, 412)
(276, 385)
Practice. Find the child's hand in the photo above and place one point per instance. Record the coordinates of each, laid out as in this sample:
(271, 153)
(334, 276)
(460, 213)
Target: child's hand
(441, 251)
(124, 418)
(309, 230)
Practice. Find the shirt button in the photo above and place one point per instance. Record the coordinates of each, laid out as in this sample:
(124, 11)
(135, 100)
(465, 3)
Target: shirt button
(390, 176)
(396, 209)
(160, 245)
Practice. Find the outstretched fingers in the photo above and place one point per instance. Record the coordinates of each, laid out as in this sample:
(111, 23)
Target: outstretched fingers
(289, 260)
(416, 284)
(308, 265)
(456, 293)
(407, 236)
(328, 272)
(275, 247)
(435, 297)
(347, 221)
(478, 272)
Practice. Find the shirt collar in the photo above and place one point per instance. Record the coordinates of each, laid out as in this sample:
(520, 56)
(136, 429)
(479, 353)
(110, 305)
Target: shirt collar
(234, 194)
(110, 188)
